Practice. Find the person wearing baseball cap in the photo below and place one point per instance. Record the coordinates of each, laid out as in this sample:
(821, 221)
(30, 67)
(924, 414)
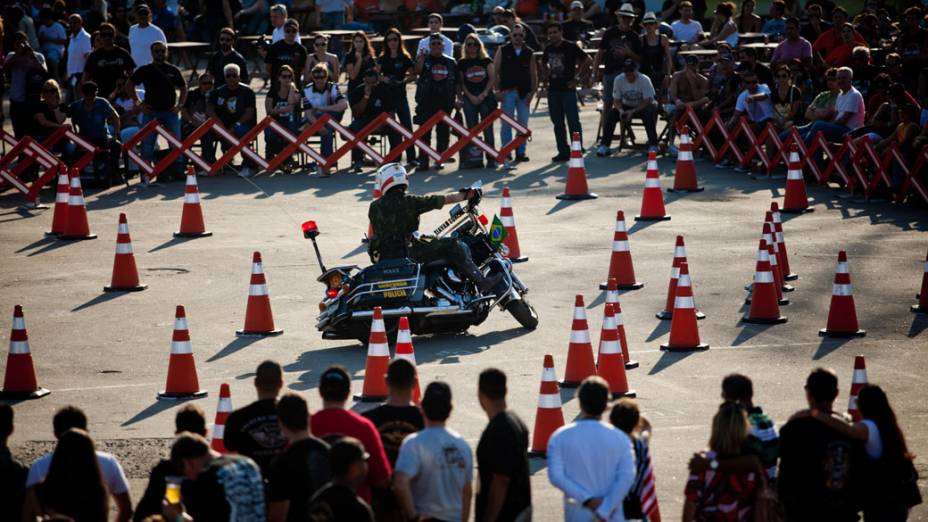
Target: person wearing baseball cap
(619, 43)
(633, 97)
(340, 499)
(576, 27)
(565, 65)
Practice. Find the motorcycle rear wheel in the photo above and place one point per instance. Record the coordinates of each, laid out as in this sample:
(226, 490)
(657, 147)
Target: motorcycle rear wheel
(523, 312)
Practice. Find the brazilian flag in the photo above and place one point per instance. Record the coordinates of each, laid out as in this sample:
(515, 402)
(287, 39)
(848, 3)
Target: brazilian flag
(497, 231)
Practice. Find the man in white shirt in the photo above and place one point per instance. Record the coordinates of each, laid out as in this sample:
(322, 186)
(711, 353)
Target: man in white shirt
(142, 35)
(278, 17)
(592, 462)
(686, 29)
(632, 97)
(435, 23)
(850, 112)
(65, 419)
(78, 49)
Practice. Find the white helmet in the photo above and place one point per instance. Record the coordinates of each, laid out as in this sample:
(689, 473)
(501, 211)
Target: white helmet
(389, 176)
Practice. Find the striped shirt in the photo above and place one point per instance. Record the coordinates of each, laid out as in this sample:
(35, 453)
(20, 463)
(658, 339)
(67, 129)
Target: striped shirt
(764, 441)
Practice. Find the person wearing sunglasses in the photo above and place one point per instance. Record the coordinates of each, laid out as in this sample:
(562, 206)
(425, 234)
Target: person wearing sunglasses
(288, 51)
(226, 55)
(565, 65)
(786, 98)
(436, 90)
(398, 69)
(49, 114)
(321, 96)
(368, 101)
(516, 75)
(194, 114)
(359, 60)
(320, 54)
(754, 103)
(233, 104)
(107, 63)
(477, 78)
(282, 104)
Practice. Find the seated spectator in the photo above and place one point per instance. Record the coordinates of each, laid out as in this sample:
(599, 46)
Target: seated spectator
(687, 30)
(794, 47)
(904, 136)
(52, 39)
(879, 91)
(811, 450)
(195, 113)
(12, 472)
(320, 54)
(339, 499)
(283, 104)
(125, 99)
(301, 469)
(90, 116)
(641, 498)
(435, 22)
(748, 21)
(633, 97)
(755, 104)
(912, 40)
(222, 487)
(321, 96)
(840, 54)
(715, 493)
(832, 38)
(726, 85)
(71, 418)
(786, 98)
(478, 76)
(868, 25)
(814, 25)
(688, 88)
(849, 112)
(749, 62)
(189, 418)
(254, 430)
(576, 27)
(775, 25)
(226, 55)
(334, 421)
(368, 100)
(435, 466)
(49, 115)
(288, 51)
(233, 104)
(723, 27)
(864, 71)
(823, 105)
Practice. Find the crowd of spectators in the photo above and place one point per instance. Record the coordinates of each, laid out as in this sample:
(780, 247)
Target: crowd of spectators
(402, 460)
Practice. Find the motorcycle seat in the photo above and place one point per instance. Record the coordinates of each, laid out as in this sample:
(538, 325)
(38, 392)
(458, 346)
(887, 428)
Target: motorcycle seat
(438, 263)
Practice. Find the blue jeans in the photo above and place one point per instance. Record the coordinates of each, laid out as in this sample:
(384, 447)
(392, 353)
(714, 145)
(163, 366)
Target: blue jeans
(608, 83)
(239, 129)
(474, 114)
(561, 105)
(517, 108)
(832, 131)
(171, 121)
(274, 142)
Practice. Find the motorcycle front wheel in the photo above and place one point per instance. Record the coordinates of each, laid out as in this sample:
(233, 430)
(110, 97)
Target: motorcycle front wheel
(523, 312)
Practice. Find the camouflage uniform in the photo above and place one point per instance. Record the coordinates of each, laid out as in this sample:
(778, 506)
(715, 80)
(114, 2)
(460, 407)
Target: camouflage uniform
(395, 216)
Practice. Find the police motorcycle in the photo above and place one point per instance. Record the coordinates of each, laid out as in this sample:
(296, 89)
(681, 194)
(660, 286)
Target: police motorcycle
(433, 296)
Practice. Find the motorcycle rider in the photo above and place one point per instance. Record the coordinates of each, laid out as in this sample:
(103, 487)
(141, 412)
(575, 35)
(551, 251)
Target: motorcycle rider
(395, 217)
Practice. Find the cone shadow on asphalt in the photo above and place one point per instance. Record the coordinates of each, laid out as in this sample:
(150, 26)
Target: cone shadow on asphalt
(662, 328)
(668, 359)
(237, 344)
(102, 298)
(919, 324)
(152, 410)
(174, 241)
(641, 225)
(828, 345)
(23, 213)
(600, 299)
(312, 363)
(749, 331)
(47, 244)
(561, 205)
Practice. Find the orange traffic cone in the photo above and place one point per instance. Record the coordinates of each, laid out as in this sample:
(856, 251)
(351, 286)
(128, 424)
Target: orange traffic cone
(576, 174)
(684, 179)
(60, 217)
(779, 285)
(679, 256)
(611, 362)
(125, 273)
(404, 350)
(775, 246)
(652, 199)
(222, 413)
(512, 238)
(788, 274)
(378, 358)
(796, 200)
(842, 315)
(259, 321)
(19, 381)
(612, 297)
(858, 381)
(922, 306)
(764, 306)
(191, 218)
(684, 333)
(549, 416)
(620, 265)
(580, 363)
(76, 226)
(182, 382)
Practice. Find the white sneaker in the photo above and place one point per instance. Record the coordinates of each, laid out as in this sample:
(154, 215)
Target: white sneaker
(508, 165)
(602, 151)
(245, 172)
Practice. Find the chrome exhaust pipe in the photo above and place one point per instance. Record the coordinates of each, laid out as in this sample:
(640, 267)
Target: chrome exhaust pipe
(406, 310)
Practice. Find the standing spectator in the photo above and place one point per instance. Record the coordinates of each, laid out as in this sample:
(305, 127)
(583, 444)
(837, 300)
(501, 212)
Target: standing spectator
(793, 47)
(166, 20)
(340, 498)
(252, 18)
(576, 28)
(216, 15)
(435, 466)
(161, 80)
(359, 60)
(814, 26)
(642, 497)
(278, 19)
(226, 55)
(254, 431)
(723, 27)
(288, 51)
(715, 494)
(849, 111)
(398, 417)
(79, 49)
(686, 29)
(590, 461)
(52, 39)
(763, 440)
(90, 115)
(320, 54)
(831, 38)
(108, 62)
(754, 103)
(27, 72)
(142, 35)
(516, 83)
(322, 96)
(436, 89)
(398, 69)
(301, 469)
(478, 76)
(435, 22)
(775, 25)
(618, 43)
(511, 20)
(633, 97)
(233, 105)
(786, 98)
(12, 472)
(505, 491)
(332, 13)
(748, 21)
(222, 487)
(189, 418)
(334, 421)
(817, 478)
(114, 480)
(726, 85)
(656, 61)
(195, 113)
(565, 65)
(368, 101)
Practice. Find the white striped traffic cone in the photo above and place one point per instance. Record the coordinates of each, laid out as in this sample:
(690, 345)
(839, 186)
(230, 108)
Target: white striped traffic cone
(842, 314)
(580, 364)
(223, 409)
(191, 217)
(76, 226)
(405, 350)
(259, 320)
(611, 363)
(858, 380)
(378, 358)
(182, 381)
(612, 297)
(509, 223)
(620, 264)
(125, 272)
(549, 416)
(788, 274)
(60, 217)
(19, 381)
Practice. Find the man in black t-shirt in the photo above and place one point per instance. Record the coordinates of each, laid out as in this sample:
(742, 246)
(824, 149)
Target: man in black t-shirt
(288, 51)
(576, 27)
(367, 101)
(302, 469)
(233, 105)
(107, 63)
(254, 431)
(502, 455)
(817, 478)
(161, 81)
(435, 91)
(619, 43)
(339, 499)
(564, 64)
(399, 416)
(194, 114)
(226, 55)
(12, 472)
